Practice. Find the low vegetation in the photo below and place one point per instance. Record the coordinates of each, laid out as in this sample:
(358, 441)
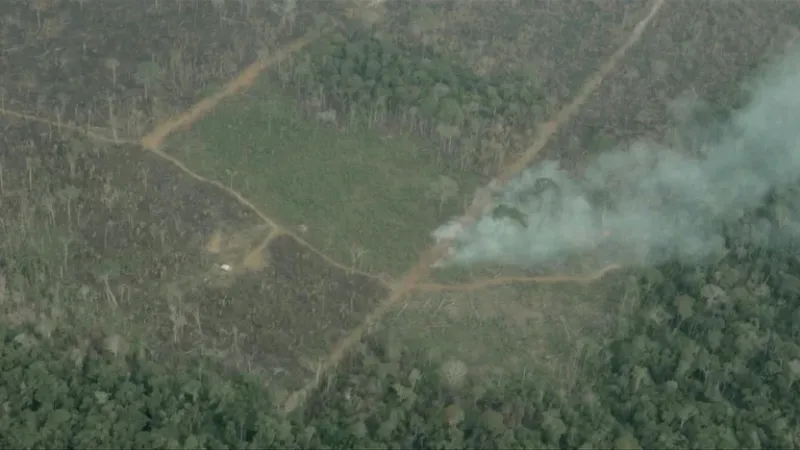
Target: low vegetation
(368, 199)
(119, 326)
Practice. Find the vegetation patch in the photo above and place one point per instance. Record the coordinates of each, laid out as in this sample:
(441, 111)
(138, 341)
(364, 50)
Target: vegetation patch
(365, 77)
(110, 239)
(118, 65)
(370, 200)
(70, 392)
(279, 322)
(503, 331)
(102, 236)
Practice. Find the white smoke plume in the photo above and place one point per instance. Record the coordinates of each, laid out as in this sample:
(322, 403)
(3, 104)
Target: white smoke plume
(650, 202)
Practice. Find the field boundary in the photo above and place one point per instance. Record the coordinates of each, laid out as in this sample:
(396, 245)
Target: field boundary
(501, 281)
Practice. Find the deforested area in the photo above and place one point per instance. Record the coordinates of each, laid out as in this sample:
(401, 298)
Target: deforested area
(371, 224)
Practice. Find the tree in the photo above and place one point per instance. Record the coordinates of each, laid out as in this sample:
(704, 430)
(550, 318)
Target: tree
(104, 273)
(444, 188)
(447, 133)
(450, 112)
(148, 74)
(423, 23)
(112, 64)
(67, 195)
(219, 6)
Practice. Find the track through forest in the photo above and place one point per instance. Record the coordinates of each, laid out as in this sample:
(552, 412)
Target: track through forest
(414, 278)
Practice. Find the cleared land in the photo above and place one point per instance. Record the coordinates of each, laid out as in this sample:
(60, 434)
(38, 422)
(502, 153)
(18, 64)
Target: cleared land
(138, 241)
(367, 199)
(542, 329)
(142, 243)
(128, 248)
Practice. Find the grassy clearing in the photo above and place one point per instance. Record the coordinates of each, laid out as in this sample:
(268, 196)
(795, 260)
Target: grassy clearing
(365, 197)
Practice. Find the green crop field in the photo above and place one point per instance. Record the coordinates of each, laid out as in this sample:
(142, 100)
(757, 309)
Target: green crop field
(366, 198)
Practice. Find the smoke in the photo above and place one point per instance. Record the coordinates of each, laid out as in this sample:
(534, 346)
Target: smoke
(651, 202)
